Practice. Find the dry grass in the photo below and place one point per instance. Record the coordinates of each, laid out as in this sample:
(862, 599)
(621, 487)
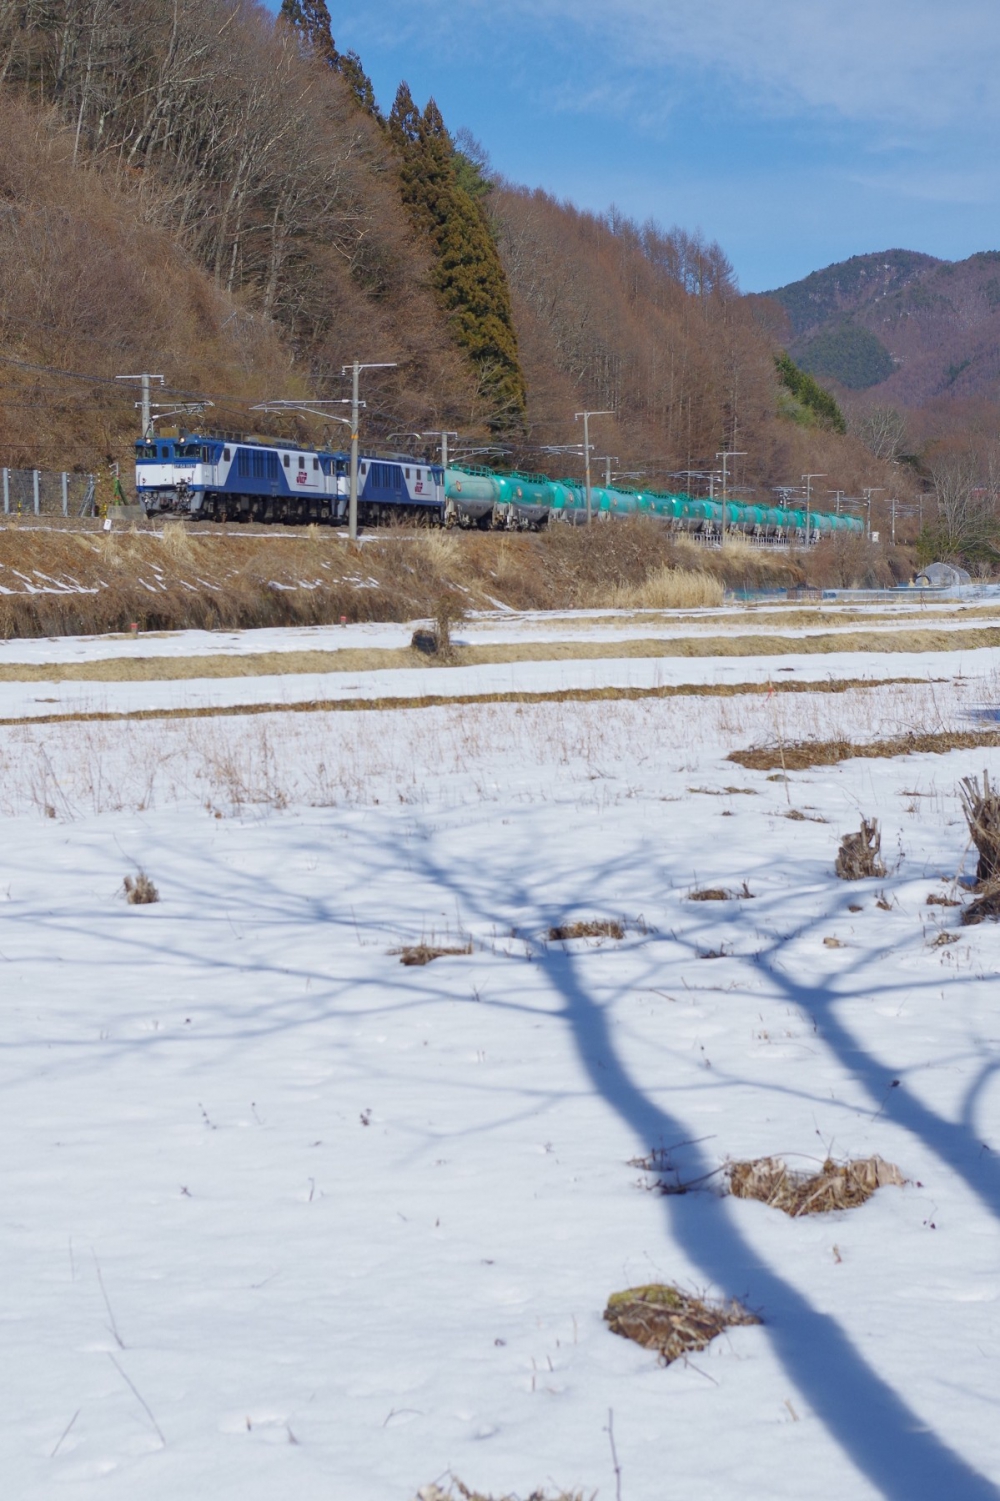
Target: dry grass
(672, 1322)
(859, 855)
(836, 1186)
(456, 1489)
(710, 894)
(594, 928)
(423, 953)
(829, 752)
(444, 700)
(670, 589)
(140, 891)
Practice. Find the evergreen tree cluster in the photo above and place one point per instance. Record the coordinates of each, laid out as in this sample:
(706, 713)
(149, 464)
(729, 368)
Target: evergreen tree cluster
(810, 394)
(311, 19)
(443, 191)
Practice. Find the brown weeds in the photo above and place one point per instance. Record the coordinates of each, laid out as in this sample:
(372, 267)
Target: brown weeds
(140, 891)
(831, 752)
(673, 1323)
(423, 953)
(836, 1186)
(595, 928)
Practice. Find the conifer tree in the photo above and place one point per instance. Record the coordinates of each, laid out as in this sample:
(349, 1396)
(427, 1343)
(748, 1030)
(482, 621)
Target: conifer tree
(311, 19)
(468, 275)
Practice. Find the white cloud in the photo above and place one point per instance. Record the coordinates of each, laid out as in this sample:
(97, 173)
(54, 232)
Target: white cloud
(914, 63)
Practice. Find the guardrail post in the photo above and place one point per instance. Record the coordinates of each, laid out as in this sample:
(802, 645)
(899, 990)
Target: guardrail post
(6, 492)
(35, 476)
(65, 493)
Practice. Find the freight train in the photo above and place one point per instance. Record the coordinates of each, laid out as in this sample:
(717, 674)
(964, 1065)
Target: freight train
(269, 480)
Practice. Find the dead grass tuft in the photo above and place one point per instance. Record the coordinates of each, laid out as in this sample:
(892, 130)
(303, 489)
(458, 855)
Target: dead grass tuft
(941, 899)
(858, 856)
(423, 953)
(710, 894)
(139, 890)
(456, 1489)
(596, 928)
(981, 806)
(836, 1186)
(673, 1323)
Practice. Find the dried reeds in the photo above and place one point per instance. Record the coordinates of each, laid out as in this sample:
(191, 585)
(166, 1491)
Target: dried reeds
(836, 1186)
(139, 890)
(670, 589)
(673, 1323)
(859, 854)
(593, 928)
(456, 1489)
(423, 953)
(830, 752)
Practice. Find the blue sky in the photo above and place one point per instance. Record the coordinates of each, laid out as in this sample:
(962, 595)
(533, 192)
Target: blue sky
(796, 132)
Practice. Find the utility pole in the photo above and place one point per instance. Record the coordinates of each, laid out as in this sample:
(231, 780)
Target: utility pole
(586, 451)
(892, 503)
(146, 403)
(809, 479)
(728, 453)
(356, 368)
(607, 460)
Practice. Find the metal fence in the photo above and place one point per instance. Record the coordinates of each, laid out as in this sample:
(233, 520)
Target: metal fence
(43, 492)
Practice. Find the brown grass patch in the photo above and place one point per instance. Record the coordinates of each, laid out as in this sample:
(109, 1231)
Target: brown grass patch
(441, 701)
(800, 756)
(673, 1323)
(423, 953)
(139, 890)
(594, 928)
(836, 1186)
(940, 899)
(710, 894)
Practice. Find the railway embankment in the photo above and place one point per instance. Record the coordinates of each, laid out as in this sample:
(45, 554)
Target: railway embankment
(77, 579)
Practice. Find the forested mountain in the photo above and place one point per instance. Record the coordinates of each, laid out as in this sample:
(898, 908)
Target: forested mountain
(192, 187)
(907, 328)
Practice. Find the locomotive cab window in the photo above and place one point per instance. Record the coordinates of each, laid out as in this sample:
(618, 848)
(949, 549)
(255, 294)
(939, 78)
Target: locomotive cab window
(315, 463)
(286, 459)
(226, 454)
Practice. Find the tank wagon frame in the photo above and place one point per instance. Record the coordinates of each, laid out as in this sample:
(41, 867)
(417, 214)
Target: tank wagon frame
(215, 479)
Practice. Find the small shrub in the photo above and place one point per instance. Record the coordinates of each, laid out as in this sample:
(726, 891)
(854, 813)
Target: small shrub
(673, 1323)
(140, 891)
(859, 854)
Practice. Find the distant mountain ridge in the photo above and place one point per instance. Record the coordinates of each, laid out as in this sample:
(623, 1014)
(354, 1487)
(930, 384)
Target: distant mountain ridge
(907, 327)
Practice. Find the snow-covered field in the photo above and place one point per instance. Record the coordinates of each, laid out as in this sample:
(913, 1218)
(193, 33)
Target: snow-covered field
(283, 1217)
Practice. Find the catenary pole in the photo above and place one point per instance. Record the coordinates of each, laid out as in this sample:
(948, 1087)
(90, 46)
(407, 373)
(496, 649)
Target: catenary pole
(355, 369)
(725, 456)
(146, 404)
(586, 451)
(809, 479)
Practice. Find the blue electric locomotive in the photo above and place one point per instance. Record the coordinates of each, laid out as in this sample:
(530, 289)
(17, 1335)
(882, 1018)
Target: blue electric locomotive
(216, 479)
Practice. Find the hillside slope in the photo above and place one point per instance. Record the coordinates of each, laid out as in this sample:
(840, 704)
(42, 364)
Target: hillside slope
(905, 327)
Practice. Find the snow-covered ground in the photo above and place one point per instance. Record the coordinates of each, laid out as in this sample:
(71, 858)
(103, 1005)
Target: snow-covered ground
(283, 1217)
